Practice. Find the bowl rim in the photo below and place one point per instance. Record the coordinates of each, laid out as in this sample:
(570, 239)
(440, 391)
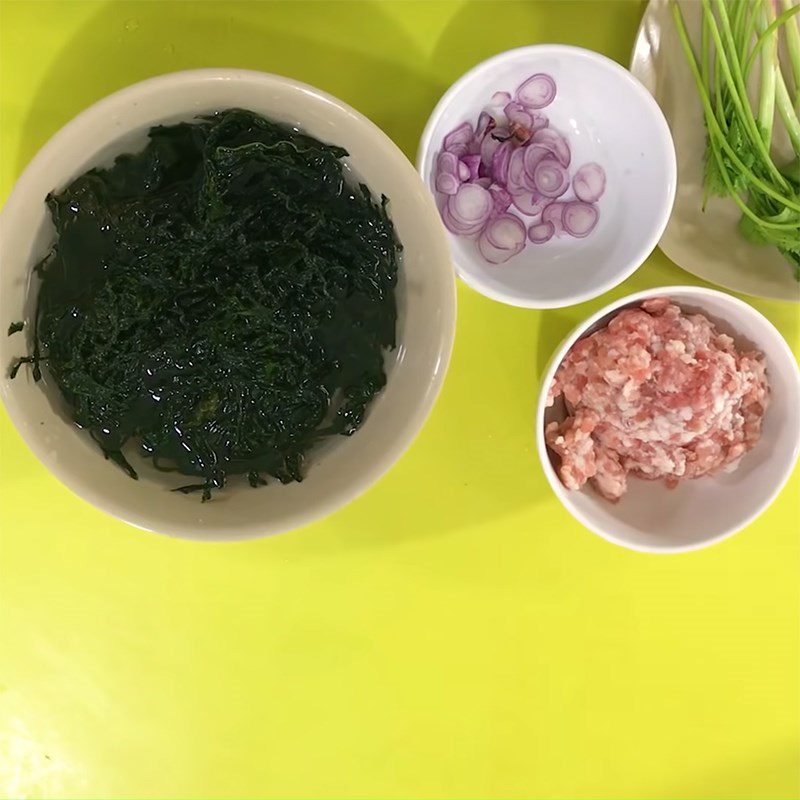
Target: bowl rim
(426, 145)
(564, 494)
(404, 436)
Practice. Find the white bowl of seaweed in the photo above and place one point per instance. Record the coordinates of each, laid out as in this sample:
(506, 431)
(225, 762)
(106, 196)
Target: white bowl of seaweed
(235, 289)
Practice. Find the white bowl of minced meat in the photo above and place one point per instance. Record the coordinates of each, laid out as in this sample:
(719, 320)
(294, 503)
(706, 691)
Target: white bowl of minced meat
(669, 420)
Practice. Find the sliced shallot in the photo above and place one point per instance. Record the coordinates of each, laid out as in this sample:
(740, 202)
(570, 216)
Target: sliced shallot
(541, 232)
(500, 162)
(579, 218)
(554, 142)
(518, 114)
(533, 155)
(462, 135)
(554, 214)
(446, 183)
(486, 122)
(517, 181)
(513, 157)
(468, 209)
(539, 121)
(537, 92)
(531, 204)
(589, 182)
(550, 178)
(502, 239)
(456, 227)
(502, 199)
(472, 163)
(490, 144)
(447, 164)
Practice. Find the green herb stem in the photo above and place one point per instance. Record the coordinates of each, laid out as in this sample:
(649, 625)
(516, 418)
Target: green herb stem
(738, 162)
(793, 46)
(738, 91)
(787, 112)
(766, 102)
(764, 36)
(714, 127)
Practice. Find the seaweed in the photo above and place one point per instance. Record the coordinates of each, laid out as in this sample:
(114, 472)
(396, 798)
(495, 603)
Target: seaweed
(223, 298)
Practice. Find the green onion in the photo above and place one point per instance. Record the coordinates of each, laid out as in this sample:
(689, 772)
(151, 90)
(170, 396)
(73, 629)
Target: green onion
(740, 162)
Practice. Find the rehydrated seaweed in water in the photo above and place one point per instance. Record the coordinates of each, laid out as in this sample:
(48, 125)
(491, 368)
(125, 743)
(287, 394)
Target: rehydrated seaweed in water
(224, 298)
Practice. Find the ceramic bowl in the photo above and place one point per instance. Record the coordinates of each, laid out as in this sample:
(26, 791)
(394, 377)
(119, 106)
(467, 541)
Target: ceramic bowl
(653, 518)
(608, 117)
(337, 471)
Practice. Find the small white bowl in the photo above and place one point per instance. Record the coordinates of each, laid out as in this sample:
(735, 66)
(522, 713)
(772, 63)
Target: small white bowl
(338, 470)
(655, 519)
(608, 117)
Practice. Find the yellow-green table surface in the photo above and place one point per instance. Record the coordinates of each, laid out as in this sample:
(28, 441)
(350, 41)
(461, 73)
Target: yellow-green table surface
(452, 633)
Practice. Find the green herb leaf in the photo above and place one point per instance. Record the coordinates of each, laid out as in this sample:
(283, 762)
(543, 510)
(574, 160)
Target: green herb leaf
(738, 160)
(224, 298)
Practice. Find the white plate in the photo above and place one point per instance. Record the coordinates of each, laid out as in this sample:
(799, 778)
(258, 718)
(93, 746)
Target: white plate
(706, 244)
